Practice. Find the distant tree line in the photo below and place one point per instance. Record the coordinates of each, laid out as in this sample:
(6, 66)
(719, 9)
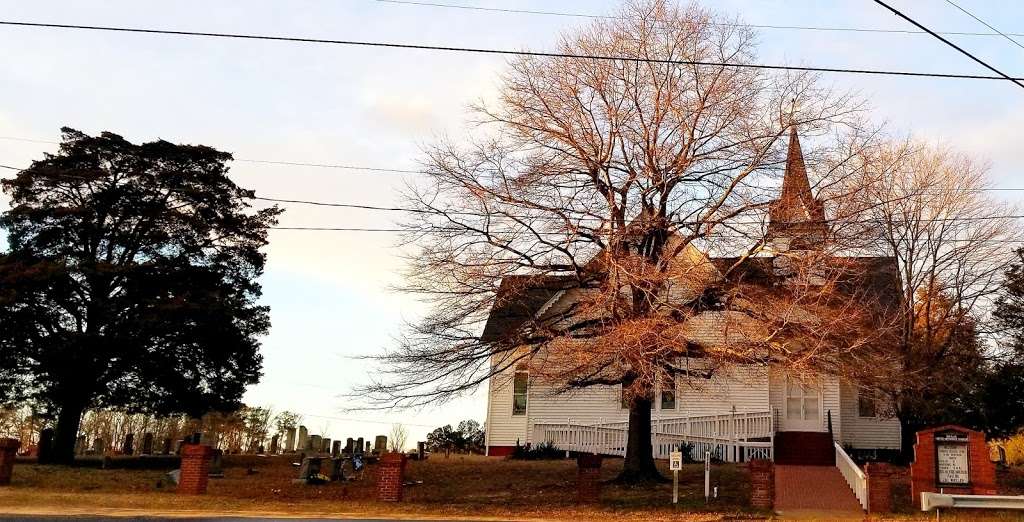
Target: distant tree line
(468, 437)
(243, 431)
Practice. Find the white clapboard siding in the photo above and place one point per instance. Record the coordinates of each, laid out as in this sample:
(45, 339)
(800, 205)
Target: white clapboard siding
(503, 428)
(866, 432)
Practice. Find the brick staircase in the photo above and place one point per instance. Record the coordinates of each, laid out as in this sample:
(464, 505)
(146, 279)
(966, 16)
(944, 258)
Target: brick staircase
(814, 488)
(804, 448)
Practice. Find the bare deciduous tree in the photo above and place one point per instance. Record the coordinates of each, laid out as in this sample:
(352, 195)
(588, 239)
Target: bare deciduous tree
(953, 242)
(398, 437)
(615, 180)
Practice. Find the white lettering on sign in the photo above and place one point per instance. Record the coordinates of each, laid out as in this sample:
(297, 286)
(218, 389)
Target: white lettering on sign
(675, 461)
(953, 464)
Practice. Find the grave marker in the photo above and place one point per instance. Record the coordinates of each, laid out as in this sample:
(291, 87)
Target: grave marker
(380, 445)
(303, 440)
(147, 444)
(289, 440)
(128, 446)
(273, 445)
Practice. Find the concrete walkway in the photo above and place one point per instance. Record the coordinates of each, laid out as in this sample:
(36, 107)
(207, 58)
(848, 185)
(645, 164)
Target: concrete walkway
(814, 492)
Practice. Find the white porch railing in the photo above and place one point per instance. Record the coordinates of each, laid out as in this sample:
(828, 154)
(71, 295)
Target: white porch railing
(726, 437)
(854, 476)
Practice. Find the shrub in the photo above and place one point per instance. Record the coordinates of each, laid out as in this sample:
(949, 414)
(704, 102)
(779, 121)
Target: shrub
(543, 451)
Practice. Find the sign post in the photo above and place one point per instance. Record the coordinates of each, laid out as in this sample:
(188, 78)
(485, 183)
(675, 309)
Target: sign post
(707, 477)
(675, 463)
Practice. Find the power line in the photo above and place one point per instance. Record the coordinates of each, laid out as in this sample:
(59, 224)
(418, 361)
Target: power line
(610, 17)
(267, 162)
(949, 43)
(968, 13)
(506, 52)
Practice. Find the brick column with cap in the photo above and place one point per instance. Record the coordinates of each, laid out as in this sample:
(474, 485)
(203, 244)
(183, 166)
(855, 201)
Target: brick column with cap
(879, 475)
(588, 479)
(762, 482)
(195, 469)
(8, 450)
(390, 477)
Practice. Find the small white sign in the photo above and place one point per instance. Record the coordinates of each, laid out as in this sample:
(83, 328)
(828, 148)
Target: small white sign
(675, 461)
(953, 464)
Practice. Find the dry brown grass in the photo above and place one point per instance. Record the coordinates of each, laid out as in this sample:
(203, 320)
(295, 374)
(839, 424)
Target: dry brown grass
(459, 486)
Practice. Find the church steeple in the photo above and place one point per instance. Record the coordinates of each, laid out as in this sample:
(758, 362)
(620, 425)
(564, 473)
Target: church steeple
(796, 219)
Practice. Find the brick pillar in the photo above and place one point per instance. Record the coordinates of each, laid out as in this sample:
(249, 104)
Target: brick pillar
(195, 469)
(8, 450)
(389, 481)
(879, 475)
(762, 482)
(588, 479)
(983, 471)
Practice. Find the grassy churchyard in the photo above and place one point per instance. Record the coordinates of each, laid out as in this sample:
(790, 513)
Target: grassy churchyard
(458, 487)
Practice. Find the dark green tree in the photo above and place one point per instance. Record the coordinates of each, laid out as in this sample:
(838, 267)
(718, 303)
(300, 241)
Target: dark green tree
(130, 281)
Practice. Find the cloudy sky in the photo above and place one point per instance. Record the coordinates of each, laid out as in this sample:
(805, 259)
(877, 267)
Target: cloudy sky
(371, 107)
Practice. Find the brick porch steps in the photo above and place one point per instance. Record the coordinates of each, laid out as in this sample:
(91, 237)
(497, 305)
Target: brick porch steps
(804, 448)
(818, 488)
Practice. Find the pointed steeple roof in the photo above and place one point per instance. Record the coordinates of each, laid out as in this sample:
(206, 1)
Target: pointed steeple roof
(796, 212)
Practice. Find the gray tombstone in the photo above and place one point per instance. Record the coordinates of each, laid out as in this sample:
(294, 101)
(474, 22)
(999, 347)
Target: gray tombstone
(178, 444)
(217, 464)
(368, 449)
(380, 444)
(337, 467)
(261, 450)
(421, 450)
(168, 445)
(310, 467)
(45, 452)
(315, 443)
(128, 446)
(325, 447)
(359, 445)
(336, 449)
(273, 445)
(303, 439)
(147, 444)
(80, 445)
(350, 445)
(289, 440)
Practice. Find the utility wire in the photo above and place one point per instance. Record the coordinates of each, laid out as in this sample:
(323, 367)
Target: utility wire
(949, 43)
(968, 13)
(610, 17)
(506, 52)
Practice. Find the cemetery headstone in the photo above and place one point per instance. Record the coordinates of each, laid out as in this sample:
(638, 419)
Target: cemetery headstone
(99, 446)
(273, 445)
(303, 439)
(359, 445)
(336, 449)
(168, 444)
(147, 444)
(309, 469)
(128, 446)
(217, 464)
(315, 443)
(325, 447)
(380, 444)
(260, 450)
(421, 450)
(45, 452)
(368, 448)
(350, 445)
(80, 445)
(289, 440)
(178, 444)
(337, 466)
(953, 459)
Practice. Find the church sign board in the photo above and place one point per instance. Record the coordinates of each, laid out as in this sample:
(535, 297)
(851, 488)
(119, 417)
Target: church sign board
(952, 459)
(952, 464)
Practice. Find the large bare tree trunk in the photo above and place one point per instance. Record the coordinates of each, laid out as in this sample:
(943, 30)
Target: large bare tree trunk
(639, 466)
